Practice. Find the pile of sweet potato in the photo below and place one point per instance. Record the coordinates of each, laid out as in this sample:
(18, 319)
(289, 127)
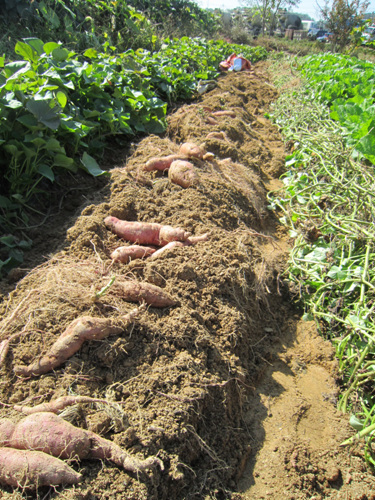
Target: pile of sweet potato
(147, 233)
(180, 171)
(32, 451)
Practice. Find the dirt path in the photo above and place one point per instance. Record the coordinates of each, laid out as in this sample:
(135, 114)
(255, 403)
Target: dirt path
(228, 388)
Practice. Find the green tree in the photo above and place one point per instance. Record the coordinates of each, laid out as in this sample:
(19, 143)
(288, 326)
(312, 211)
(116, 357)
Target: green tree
(268, 11)
(342, 17)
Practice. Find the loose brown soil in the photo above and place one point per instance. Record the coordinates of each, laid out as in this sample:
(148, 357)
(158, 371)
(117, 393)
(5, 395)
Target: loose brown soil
(229, 387)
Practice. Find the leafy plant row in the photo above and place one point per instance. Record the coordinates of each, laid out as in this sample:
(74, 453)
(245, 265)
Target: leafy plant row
(347, 85)
(328, 204)
(58, 108)
(81, 24)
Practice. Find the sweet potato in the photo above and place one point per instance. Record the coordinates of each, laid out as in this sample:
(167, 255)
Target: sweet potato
(58, 404)
(30, 469)
(49, 433)
(228, 112)
(211, 120)
(191, 150)
(168, 246)
(71, 340)
(192, 240)
(183, 173)
(217, 135)
(162, 163)
(147, 233)
(125, 254)
(135, 291)
(209, 156)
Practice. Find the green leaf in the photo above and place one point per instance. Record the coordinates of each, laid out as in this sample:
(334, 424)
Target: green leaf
(64, 161)
(5, 202)
(44, 113)
(28, 120)
(8, 241)
(13, 104)
(36, 44)
(50, 47)
(91, 165)
(26, 51)
(60, 54)
(366, 146)
(46, 171)
(91, 53)
(54, 146)
(356, 423)
(61, 98)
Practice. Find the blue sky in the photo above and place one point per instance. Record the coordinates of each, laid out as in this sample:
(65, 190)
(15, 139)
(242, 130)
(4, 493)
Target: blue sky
(306, 6)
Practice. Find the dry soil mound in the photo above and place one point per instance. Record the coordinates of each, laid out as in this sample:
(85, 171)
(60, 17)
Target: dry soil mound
(185, 377)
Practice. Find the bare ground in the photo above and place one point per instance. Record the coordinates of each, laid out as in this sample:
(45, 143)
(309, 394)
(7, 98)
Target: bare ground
(229, 388)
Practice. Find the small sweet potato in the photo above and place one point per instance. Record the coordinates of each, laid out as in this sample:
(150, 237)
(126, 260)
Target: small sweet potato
(192, 240)
(126, 254)
(211, 120)
(71, 340)
(161, 163)
(228, 112)
(145, 233)
(135, 291)
(183, 173)
(217, 135)
(191, 150)
(59, 404)
(168, 246)
(49, 433)
(31, 469)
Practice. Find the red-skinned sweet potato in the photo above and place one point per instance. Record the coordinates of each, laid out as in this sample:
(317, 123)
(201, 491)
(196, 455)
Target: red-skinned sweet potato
(71, 340)
(191, 150)
(211, 120)
(49, 433)
(228, 112)
(192, 240)
(31, 469)
(162, 163)
(58, 404)
(135, 291)
(145, 233)
(126, 254)
(183, 174)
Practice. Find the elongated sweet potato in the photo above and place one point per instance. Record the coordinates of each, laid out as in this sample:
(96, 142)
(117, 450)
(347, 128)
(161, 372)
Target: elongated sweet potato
(49, 433)
(58, 404)
(145, 233)
(192, 240)
(191, 150)
(183, 173)
(211, 120)
(31, 469)
(135, 291)
(168, 246)
(126, 254)
(227, 112)
(71, 340)
(162, 163)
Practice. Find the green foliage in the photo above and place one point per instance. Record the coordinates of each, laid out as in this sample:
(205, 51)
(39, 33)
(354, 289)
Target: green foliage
(181, 17)
(342, 16)
(58, 108)
(81, 24)
(348, 86)
(13, 256)
(328, 204)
